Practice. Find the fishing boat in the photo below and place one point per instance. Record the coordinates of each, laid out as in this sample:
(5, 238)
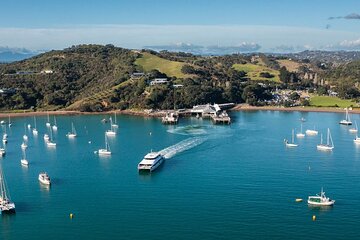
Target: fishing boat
(44, 178)
(114, 124)
(50, 142)
(6, 205)
(292, 144)
(106, 150)
(347, 120)
(48, 124)
(111, 132)
(320, 200)
(54, 127)
(311, 132)
(23, 160)
(72, 134)
(300, 134)
(329, 146)
(151, 161)
(35, 131)
(354, 130)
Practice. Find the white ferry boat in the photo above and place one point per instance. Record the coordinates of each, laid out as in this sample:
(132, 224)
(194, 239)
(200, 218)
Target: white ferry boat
(151, 161)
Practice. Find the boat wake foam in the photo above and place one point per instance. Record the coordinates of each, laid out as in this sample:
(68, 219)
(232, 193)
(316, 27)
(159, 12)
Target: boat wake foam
(188, 130)
(182, 146)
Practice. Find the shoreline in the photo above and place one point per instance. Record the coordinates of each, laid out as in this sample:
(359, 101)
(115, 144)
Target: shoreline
(160, 113)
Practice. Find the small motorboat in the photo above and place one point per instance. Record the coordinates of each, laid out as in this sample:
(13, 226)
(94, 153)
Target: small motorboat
(44, 178)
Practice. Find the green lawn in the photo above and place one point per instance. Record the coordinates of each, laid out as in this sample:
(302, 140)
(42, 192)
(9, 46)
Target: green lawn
(253, 71)
(326, 101)
(171, 68)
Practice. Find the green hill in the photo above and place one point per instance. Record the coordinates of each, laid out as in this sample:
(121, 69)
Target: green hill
(78, 72)
(253, 71)
(149, 62)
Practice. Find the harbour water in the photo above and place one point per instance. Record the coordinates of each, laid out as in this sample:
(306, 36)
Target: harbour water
(237, 181)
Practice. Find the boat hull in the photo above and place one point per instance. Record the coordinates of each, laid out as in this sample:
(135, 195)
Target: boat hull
(330, 203)
(324, 148)
(344, 122)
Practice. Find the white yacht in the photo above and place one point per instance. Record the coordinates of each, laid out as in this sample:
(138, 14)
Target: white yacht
(54, 127)
(5, 136)
(300, 134)
(44, 178)
(347, 120)
(24, 161)
(10, 124)
(48, 124)
(35, 131)
(25, 137)
(114, 124)
(111, 132)
(329, 146)
(2, 122)
(354, 130)
(24, 145)
(29, 126)
(311, 132)
(357, 140)
(6, 205)
(50, 142)
(2, 151)
(151, 161)
(320, 200)
(106, 150)
(72, 134)
(292, 144)
(46, 137)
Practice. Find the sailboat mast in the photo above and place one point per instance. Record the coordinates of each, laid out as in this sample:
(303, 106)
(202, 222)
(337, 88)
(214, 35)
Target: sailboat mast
(292, 136)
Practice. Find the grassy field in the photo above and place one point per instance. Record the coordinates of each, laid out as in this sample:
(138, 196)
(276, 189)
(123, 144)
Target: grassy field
(290, 65)
(326, 101)
(171, 68)
(253, 71)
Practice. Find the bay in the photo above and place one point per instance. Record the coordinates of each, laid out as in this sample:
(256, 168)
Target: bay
(240, 182)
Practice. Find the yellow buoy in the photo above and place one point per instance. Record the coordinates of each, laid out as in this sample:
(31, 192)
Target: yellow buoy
(313, 217)
(71, 216)
(298, 200)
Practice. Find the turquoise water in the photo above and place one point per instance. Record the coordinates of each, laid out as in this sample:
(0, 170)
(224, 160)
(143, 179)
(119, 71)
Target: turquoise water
(239, 183)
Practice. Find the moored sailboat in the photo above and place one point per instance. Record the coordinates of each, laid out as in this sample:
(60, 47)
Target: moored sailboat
(300, 134)
(347, 120)
(311, 132)
(111, 132)
(354, 130)
(72, 134)
(23, 160)
(292, 144)
(329, 146)
(6, 205)
(106, 150)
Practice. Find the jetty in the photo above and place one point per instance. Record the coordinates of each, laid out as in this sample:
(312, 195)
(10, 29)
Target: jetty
(221, 118)
(215, 112)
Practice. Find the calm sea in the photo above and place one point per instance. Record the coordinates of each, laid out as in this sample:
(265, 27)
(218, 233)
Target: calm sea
(238, 182)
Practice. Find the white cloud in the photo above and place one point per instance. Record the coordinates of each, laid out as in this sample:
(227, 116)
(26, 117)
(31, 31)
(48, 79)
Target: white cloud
(352, 44)
(137, 36)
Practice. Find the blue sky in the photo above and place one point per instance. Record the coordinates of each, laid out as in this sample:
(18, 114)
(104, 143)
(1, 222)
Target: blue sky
(270, 25)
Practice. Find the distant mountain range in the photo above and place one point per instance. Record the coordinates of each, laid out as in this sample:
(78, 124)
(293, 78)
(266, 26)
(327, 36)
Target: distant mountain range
(15, 54)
